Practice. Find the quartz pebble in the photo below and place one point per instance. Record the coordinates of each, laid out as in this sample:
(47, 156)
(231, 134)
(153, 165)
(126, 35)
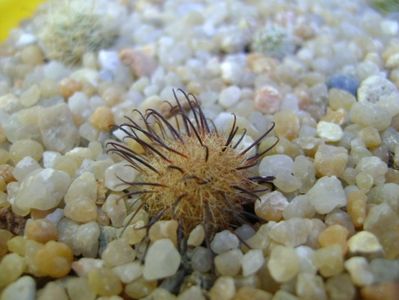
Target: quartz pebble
(340, 287)
(292, 232)
(22, 148)
(118, 170)
(229, 263)
(329, 260)
(267, 100)
(202, 259)
(224, 241)
(85, 239)
(270, 206)
(229, 96)
(22, 289)
(162, 260)
(41, 230)
(283, 263)
(326, 194)
(54, 259)
(197, 236)
(12, 266)
(287, 124)
(24, 167)
(309, 286)
(104, 282)
(118, 252)
(330, 160)
(223, 289)
(364, 242)
(43, 189)
(252, 261)
(57, 128)
(331, 132)
(359, 271)
(375, 88)
(78, 289)
(128, 272)
(52, 290)
(164, 230)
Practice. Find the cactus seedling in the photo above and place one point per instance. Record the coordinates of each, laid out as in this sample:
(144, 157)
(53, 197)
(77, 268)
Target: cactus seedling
(188, 170)
(71, 31)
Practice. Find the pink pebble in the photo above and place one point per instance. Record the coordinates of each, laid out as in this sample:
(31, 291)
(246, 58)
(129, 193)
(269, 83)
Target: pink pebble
(267, 100)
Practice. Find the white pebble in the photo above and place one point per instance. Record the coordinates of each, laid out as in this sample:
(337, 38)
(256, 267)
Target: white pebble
(252, 261)
(224, 241)
(229, 96)
(329, 131)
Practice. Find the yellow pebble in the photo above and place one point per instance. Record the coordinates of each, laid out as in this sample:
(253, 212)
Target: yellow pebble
(41, 230)
(104, 282)
(5, 235)
(12, 267)
(102, 118)
(140, 288)
(370, 137)
(334, 235)
(54, 259)
(287, 124)
(23, 148)
(17, 245)
(357, 207)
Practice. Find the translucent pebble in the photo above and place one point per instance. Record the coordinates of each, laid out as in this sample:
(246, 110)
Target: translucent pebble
(329, 260)
(292, 232)
(23, 288)
(103, 282)
(326, 195)
(49, 157)
(22, 148)
(140, 288)
(12, 266)
(192, 293)
(57, 128)
(223, 289)
(102, 118)
(30, 96)
(84, 265)
(115, 209)
(367, 114)
(54, 259)
(43, 189)
(247, 293)
(375, 88)
(229, 96)
(24, 167)
(387, 291)
(202, 259)
(122, 171)
(343, 82)
(252, 261)
(364, 242)
(373, 166)
(384, 270)
(197, 236)
(128, 272)
(118, 252)
(260, 240)
(229, 263)
(16, 245)
(334, 235)
(357, 207)
(224, 241)
(135, 233)
(162, 260)
(331, 160)
(270, 206)
(283, 263)
(52, 290)
(306, 259)
(284, 295)
(272, 165)
(299, 207)
(85, 239)
(164, 230)
(359, 271)
(78, 289)
(329, 131)
(40, 230)
(267, 100)
(81, 211)
(310, 287)
(370, 137)
(340, 287)
(287, 124)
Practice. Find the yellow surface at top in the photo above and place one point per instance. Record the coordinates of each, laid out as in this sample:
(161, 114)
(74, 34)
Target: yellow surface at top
(12, 12)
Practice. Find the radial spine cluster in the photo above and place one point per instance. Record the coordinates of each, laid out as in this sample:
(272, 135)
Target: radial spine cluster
(188, 170)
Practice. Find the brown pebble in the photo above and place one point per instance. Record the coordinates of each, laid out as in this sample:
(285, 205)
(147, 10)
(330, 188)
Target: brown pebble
(102, 118)
(383, 291)
(68, 86)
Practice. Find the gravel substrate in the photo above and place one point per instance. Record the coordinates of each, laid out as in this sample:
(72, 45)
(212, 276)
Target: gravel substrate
(325, 73)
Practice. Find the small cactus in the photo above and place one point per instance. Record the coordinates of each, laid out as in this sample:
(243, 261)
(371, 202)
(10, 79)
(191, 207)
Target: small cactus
(72, 29)
(273, 40)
